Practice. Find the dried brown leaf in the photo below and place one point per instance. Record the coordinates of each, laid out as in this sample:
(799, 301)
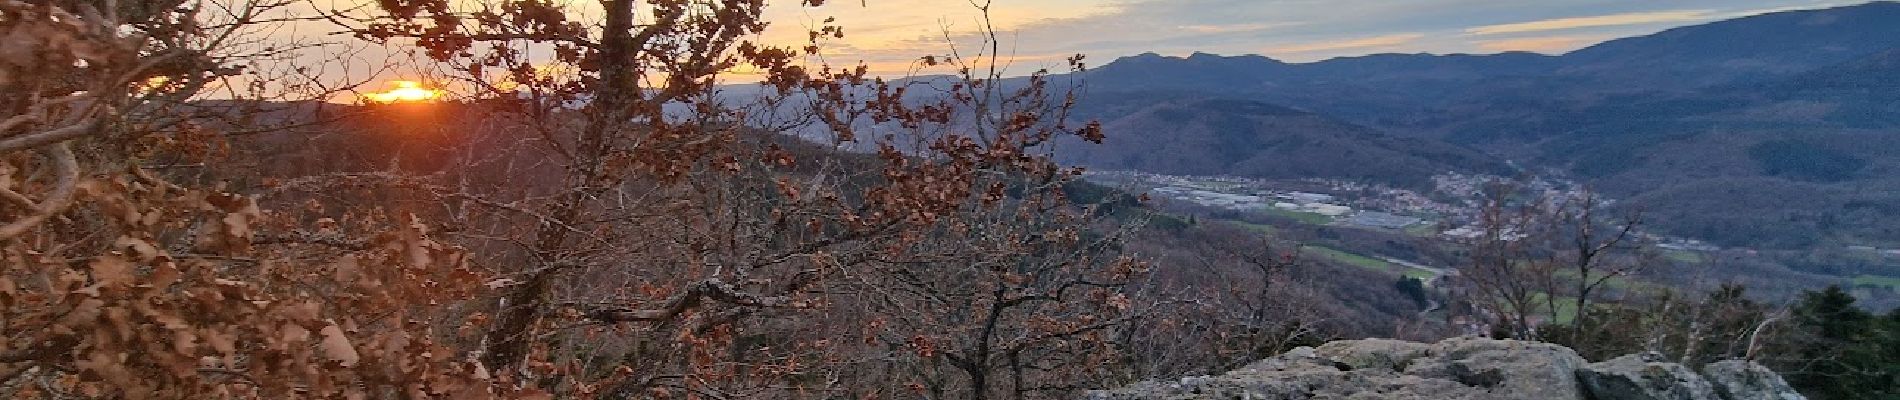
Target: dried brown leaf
(336, 346)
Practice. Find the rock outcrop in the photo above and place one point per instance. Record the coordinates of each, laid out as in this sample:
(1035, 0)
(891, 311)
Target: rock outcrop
(1464, 368)
(1644, 377)
(1743, 380)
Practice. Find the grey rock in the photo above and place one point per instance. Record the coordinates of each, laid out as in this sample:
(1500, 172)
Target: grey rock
(1643, 377)
(1473, 369)
(1522, 370)
(1386, 354)
(1746, 380)
(1464, 369)
(1302, 352)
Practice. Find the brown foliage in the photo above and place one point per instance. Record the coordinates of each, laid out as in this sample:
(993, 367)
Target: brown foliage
(119, 283)
(681, 231)
(624, 230)
(181, 302)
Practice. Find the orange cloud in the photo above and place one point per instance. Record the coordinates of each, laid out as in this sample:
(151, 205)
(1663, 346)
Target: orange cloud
(1349, 44)
(1544, 44)
(1594, 21)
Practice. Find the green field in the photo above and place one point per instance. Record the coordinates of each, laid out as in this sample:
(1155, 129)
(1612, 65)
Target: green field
(1684, 256)
(1422, 230)
(1350, 258)
(1566, 308)
(1302, 216)
(1888, 281)
(1618, 283)
(1262, 228)
(1368, 262)
(1416, 273)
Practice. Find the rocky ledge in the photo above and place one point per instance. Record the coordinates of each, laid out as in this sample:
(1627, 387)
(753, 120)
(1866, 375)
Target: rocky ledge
(1465, 368)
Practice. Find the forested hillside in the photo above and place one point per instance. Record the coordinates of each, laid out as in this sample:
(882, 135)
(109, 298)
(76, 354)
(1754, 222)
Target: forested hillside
(1254, 139)
(1681, 118)
(523, 199)
(1785, 141)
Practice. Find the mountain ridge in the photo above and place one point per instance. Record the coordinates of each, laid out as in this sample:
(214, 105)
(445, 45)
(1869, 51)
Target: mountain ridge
(1801, 102)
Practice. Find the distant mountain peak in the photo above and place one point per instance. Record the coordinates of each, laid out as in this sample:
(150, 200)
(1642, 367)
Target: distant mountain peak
(1797, 37)
(1793, 104)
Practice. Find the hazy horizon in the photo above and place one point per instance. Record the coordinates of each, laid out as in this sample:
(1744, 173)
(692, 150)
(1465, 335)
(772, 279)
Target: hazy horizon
(889, 34)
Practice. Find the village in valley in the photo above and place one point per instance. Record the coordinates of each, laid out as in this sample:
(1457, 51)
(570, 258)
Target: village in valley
(1322, 201)
(1446, 212)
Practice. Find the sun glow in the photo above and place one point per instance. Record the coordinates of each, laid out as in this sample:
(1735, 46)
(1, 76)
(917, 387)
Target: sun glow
(404, 92)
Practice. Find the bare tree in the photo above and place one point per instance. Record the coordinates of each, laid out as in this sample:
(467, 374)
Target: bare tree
(592, 216)
(1221, 297)
(1593, 249)
(1503, 273)
(1535, 249)
(639, 212)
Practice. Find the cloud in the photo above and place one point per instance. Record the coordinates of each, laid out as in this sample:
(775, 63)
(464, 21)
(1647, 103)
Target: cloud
(1771, 10)
(891, 33)
(1235, 28)
(1634, 18)
(1374, 42)
(1541, 44)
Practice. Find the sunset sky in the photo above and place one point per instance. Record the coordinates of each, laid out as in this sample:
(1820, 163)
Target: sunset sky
(890, 35)
(1042, 32)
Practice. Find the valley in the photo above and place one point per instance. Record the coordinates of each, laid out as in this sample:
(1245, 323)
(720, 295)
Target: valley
(1443, 216)
(734, 200)
(1783, 176)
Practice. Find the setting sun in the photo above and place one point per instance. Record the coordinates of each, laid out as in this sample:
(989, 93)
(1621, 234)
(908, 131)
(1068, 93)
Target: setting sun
(404, 92)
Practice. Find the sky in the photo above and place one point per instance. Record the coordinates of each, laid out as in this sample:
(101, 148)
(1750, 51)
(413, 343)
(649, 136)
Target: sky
(891, 35)
(888, 34)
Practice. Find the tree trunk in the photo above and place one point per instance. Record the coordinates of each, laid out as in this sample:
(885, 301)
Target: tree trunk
(618, 90)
